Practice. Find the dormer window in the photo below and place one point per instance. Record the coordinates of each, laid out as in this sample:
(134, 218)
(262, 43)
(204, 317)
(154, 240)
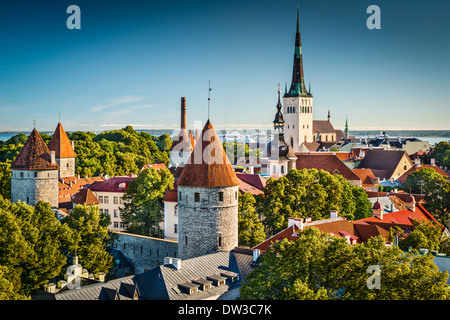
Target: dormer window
(122, 185)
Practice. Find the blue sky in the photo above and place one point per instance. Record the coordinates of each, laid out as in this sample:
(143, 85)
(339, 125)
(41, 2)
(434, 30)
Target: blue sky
(132, 61)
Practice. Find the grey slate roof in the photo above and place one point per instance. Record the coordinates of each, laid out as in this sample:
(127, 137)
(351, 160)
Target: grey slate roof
(163, 282)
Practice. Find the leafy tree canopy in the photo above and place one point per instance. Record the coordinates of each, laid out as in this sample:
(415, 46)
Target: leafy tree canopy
(319, 266)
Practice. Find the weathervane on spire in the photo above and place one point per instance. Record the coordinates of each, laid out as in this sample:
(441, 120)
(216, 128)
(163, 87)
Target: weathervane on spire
(209, 97)
(34, 124)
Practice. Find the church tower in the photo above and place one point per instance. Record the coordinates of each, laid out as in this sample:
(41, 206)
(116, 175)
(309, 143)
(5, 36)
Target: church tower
(64, 152)
(298, 102)
(278, 157)
(207, 199)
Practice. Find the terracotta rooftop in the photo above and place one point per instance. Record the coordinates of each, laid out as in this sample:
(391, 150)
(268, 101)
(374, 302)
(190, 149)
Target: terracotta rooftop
(34, 155)
(401, 218)
(171, 196)
(208, 165)
(326, 162)
(85, 196)
(254, 180)
(60, 143)
(367, 177)
(157, 166)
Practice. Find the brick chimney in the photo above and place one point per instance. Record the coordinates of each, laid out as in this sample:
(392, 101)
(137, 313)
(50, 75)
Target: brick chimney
(183, 113)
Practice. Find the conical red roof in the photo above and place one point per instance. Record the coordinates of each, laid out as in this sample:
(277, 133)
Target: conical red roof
(34, 155)
(208, 165)
(60, 144)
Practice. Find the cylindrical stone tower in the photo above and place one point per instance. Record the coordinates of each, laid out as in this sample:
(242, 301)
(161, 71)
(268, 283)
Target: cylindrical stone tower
(207, 199)
(34, 173)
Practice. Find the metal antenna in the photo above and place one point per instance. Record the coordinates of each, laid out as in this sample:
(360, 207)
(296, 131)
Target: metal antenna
(209, 97)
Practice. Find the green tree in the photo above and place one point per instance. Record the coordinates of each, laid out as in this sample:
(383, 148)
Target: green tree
(143, 208)
(91, 239)
(310, 193)
(7, 291)
(436, 191)
(5, 180)
(251, 230)
(425, 235)
(48, 240)
(319, 266)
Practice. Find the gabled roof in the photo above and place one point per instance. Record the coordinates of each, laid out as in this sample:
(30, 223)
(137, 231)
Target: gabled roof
(208, 165)
(157, 166)
(34, 155)
(402, 218)
(60, 143)
(323, 126)
(383, 162)
(85, 196)
(326, 162)
(415, 168)
(252, 179)
(366, 175)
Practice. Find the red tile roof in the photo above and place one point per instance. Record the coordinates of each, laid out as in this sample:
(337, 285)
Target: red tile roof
(34, 155)
(60, 144)
(171, 196)
(85, 196)
(69, 186)
(157, 166)
(254, 180)
(326, 162)
(114, 184)
(415, 168)
(367, 177)
(402, 218)
(208, 165)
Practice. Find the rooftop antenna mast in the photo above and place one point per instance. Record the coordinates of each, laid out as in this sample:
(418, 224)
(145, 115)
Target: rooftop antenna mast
(209, 96)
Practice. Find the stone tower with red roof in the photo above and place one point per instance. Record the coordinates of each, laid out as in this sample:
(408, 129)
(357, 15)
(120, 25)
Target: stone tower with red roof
(207, 199)
(34, 173)
(64, 152)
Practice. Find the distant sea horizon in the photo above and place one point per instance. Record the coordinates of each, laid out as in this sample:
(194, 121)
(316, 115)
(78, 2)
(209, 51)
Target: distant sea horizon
(432, 136)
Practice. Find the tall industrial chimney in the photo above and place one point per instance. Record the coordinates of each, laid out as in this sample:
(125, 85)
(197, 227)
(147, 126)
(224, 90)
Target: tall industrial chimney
(183, 113)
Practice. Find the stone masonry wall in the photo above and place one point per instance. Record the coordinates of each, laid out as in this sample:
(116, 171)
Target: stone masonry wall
(207, 225)
(66, 167)
(33, 186)
(145, 252)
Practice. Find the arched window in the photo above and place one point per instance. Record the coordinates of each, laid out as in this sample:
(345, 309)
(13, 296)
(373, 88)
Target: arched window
(293, 109)
(326, 137)
(292, 142)
(282, 169)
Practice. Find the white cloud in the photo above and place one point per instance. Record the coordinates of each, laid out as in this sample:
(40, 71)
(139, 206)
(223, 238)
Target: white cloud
(117, 101)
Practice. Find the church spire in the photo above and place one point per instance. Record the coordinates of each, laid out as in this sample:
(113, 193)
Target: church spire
(298, 87)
